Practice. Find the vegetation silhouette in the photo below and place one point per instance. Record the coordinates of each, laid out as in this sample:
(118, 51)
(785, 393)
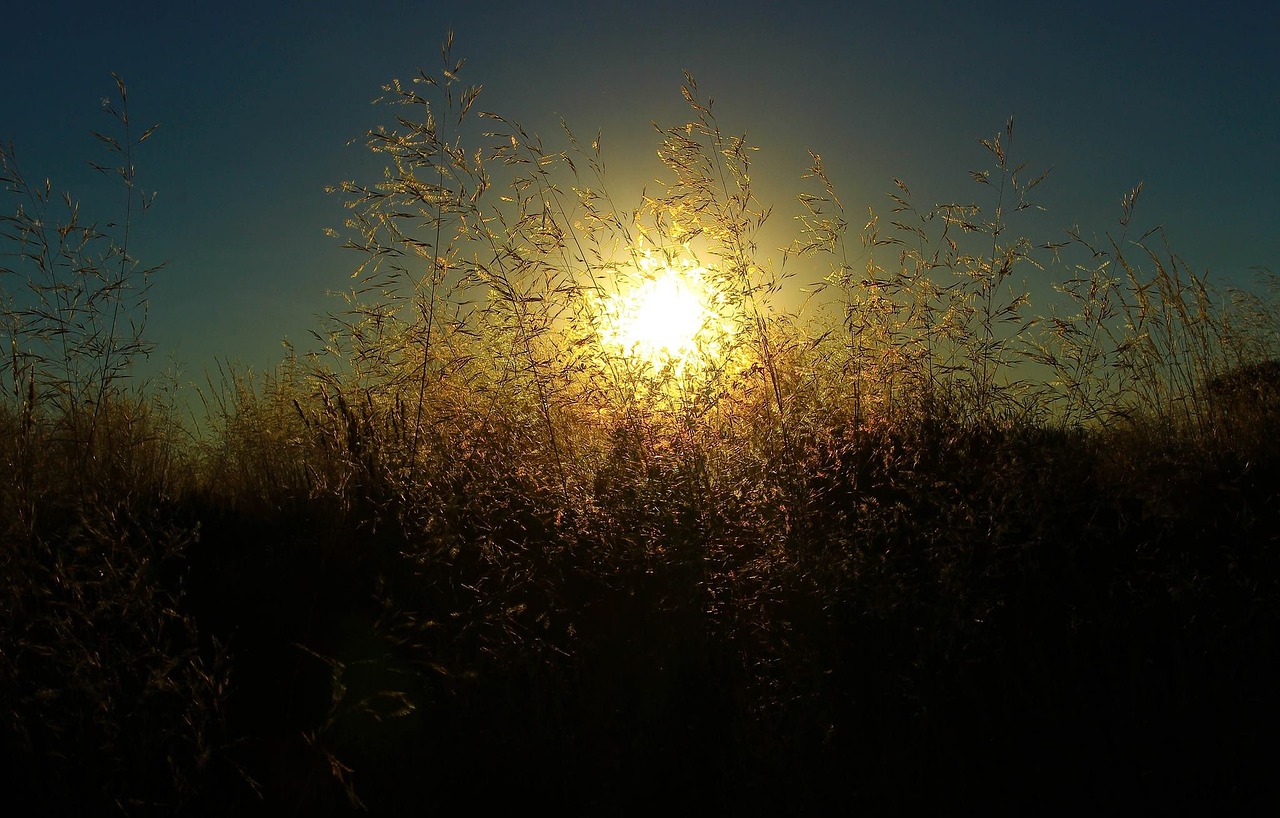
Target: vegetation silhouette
(918, 543)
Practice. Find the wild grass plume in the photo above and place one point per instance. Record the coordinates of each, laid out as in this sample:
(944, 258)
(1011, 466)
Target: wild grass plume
(934, 538)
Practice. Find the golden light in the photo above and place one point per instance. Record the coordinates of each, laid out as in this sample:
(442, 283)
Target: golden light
(672, 318)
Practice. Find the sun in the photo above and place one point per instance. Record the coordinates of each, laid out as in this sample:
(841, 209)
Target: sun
(670, 320)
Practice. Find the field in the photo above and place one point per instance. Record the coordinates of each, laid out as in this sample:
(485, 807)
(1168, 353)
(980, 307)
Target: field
(916, 540)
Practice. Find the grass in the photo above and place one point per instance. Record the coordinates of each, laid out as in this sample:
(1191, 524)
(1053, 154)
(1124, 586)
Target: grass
(920, 543)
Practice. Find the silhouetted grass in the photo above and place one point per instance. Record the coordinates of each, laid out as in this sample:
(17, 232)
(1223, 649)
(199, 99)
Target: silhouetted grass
(915, 545)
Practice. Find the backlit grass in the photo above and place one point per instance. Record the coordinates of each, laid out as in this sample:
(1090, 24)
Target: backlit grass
(923, 542)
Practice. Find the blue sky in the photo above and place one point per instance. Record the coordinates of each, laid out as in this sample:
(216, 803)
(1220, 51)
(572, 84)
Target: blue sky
(257, 103)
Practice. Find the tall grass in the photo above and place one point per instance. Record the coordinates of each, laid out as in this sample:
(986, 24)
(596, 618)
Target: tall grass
(113, 699)
(876, 548)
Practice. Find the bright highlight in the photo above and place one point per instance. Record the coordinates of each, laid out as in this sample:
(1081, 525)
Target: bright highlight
(670, 319)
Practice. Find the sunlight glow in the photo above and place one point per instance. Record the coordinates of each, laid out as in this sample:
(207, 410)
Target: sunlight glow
(671, 319)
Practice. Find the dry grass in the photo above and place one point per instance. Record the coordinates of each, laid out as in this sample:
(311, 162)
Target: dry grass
(884, 545)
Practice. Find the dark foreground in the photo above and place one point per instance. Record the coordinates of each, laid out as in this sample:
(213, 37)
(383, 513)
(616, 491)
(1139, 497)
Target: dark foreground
(1017, 621)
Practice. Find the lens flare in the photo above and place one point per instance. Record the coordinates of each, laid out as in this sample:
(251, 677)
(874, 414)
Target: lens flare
(670, 319)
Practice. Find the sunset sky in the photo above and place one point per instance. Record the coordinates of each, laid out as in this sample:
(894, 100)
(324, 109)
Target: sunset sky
(257, 103)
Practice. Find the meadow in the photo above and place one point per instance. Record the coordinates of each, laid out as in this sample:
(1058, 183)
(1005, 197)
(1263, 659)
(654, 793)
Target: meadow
(916, 540)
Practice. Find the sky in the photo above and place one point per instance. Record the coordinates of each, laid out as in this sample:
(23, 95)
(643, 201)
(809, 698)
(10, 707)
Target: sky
(259, 103)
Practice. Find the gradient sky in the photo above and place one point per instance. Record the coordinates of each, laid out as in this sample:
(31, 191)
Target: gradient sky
(257, 103)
